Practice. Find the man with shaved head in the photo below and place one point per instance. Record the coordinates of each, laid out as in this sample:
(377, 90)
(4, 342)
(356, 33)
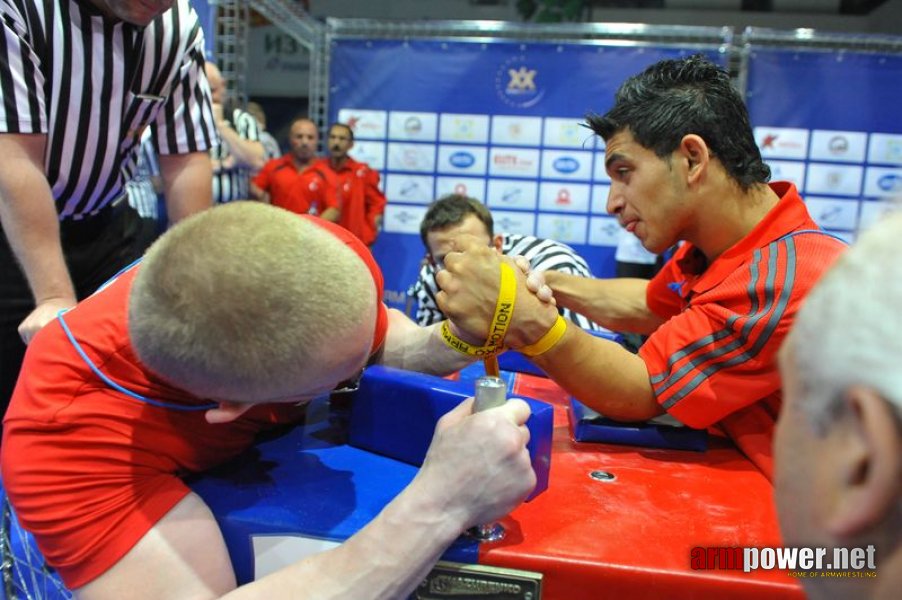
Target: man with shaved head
(174, 366)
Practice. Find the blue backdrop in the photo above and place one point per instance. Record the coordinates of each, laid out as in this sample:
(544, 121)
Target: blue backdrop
(828, 120)
(497, 120)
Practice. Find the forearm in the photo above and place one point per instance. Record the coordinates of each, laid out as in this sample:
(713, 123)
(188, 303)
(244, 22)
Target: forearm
(387, 559)
(257, 193)
(331, 214)
(188, 182)
(602, 375)
(409, 346)
(247, 153)
(31, 223)
(618, 304)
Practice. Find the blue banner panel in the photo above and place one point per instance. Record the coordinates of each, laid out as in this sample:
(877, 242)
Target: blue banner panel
(499, 121)
(828, 121)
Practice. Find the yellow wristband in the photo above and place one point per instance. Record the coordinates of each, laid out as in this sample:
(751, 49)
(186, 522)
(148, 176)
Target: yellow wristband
(504, 309)
(547, 341)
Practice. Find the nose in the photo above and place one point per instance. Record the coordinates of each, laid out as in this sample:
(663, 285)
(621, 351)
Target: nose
(615, 202)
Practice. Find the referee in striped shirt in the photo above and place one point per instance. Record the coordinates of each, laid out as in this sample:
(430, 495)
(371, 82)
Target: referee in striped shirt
(80, 80)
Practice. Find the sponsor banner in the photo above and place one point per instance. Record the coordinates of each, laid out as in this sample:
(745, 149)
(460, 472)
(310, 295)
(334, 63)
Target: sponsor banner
(883, 182)
(412, 126)
(839, 180)
(523, 223)
(372, 153)
(600, 199)
(514, 162)
(367, 124)
(630, 249)
(604, 231)
(466, 186)
(840, 146)
(782, 142)
(513, 193)
(516, 131)
(885, 149)
(464, 128)
(563, 164)
(411, 189)
(411, 157)
(565, 197)
(831, 213)
(568, 133)
(281, 63)
(563, 228)
(784, 170)
(469, 160)
(402, 218)
(873, 211)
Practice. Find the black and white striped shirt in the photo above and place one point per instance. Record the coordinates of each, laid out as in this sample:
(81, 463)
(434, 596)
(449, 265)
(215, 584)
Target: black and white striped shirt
(140, 188)
(92, 84)
(230, 181)
(543, 255)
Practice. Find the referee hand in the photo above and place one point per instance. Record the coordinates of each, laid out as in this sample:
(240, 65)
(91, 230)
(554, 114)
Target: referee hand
(42, 314)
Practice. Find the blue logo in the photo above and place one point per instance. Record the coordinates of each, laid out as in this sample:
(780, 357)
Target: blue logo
(566, 164)
(890, 182)
(462, 160)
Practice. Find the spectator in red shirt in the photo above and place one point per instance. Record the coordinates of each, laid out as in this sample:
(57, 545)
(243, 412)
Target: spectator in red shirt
(360, 201)
(288, 181)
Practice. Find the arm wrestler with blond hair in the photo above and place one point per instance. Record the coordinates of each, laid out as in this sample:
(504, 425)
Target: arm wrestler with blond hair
(234, 318)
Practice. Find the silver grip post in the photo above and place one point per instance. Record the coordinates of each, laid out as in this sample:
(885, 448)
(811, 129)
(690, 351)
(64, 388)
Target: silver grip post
(490, 392)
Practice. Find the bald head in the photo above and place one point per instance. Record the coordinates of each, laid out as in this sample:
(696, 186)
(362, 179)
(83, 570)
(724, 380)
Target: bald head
(249, 303)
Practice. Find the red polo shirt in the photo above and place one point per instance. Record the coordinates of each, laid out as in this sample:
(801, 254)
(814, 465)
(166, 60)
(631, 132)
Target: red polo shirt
(359, 197)
(714, 360)
(297, 191)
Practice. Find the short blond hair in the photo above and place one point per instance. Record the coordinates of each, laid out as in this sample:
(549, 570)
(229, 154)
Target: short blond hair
(245, 300)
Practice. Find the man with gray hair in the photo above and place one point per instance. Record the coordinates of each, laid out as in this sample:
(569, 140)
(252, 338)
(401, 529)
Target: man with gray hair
(838, 444)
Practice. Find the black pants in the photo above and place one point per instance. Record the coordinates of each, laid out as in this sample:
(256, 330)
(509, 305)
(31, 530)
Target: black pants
(95, 249)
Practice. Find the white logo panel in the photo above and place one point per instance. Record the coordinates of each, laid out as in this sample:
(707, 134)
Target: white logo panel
(562, 196)
(831, 213)
(568, 133)
(513, 193)
(563, 228)
(372, 153)
(517, 131)
(604, 231)
(883, 182)
(841, 146)
(875, 211)
(885, 149)
(506, 221)
(412, 126)
(462, 159)
(473, 187)
(561, 164)
(366, 124)
(514, 162)
(401, 218)
(783, 170)
(411, 157)
(782, 142)
(600, 199)
(416, 189)
(839, 180)
(464, 128)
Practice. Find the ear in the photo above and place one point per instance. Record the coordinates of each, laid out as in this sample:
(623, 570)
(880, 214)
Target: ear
(227, 412)
(497, 241)
(869, 461)
(697, 155)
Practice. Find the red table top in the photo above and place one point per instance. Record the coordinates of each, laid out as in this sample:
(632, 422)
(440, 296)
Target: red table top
(633, 536)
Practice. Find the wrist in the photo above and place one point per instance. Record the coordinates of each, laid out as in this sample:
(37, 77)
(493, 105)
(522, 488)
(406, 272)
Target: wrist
(530, 330)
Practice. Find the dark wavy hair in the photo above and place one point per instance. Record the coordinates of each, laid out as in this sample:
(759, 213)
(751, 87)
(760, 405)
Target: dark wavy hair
(451, 210)
(674, 98)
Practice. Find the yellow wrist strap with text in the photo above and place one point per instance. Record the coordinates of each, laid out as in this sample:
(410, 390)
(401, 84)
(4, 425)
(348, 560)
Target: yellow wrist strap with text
(547, 341)
(504, 309)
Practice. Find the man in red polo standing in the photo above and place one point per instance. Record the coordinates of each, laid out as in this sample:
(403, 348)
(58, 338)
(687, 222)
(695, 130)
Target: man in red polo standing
(288, 181)
(360, 201)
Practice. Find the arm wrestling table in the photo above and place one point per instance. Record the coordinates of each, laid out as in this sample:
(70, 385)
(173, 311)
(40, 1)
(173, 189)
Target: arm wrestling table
(626, 534)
